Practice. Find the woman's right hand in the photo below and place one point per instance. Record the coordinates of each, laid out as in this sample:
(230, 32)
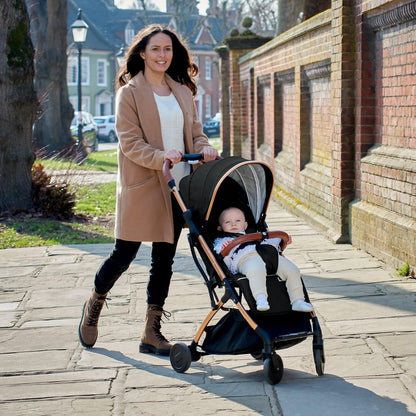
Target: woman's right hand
(174, 156)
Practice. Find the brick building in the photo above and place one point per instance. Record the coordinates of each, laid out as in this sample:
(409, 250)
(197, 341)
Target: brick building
(330, 104)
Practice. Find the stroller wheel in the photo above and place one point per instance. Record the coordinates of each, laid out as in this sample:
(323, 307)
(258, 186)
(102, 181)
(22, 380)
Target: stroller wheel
(273, 369)
(318, 357)
(180, 357)
(258, 355)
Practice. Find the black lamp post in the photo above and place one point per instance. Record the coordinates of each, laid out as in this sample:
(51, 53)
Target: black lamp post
(79, 32)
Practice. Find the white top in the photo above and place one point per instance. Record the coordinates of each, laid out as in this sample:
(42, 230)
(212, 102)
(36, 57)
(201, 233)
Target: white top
(171, 123)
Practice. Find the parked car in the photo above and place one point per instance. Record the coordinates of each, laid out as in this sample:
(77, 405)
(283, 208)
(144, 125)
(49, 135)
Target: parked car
(106, 128)
(89, 130)
(212, 126)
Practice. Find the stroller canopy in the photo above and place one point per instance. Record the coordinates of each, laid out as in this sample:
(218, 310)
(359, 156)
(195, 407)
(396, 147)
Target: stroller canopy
(222, 183)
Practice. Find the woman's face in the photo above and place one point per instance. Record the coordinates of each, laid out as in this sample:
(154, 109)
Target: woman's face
(158, 53)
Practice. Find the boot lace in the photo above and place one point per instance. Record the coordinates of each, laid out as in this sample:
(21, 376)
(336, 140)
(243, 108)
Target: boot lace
(94, 312)
(157, 326)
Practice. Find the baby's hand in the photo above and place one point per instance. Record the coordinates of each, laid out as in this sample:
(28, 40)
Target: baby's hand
(225, 244)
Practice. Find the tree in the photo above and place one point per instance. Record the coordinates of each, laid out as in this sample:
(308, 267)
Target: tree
(18, 106)
(52, 128)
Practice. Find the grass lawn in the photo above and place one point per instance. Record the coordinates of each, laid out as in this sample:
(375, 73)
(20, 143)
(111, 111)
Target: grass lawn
(93, 221)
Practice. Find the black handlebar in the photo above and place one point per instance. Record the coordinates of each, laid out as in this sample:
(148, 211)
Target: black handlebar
(192, 156)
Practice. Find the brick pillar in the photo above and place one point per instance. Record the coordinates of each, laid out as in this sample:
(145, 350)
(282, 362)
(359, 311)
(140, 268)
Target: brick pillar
(237, 46)
(225, 99)
(343, 101)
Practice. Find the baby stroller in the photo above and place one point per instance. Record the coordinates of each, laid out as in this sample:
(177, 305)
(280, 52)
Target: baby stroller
(214, 186)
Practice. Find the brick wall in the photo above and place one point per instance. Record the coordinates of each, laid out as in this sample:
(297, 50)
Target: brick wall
(387, 130)
(330, 105)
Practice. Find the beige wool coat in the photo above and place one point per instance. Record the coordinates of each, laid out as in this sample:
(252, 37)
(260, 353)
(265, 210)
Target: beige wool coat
(143, 208)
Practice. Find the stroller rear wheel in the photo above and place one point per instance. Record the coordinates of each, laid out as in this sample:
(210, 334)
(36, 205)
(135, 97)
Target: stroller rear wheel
(273, 368)
(180, 357)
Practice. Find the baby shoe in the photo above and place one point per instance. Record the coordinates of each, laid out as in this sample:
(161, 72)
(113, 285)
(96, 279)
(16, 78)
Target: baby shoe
(302, 306)
(262, 304)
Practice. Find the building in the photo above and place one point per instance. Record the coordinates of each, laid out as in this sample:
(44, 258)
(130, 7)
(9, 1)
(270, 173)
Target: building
(330, 104)
(111, 29)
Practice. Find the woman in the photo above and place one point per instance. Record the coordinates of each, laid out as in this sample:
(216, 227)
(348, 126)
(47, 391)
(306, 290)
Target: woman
(156, 120)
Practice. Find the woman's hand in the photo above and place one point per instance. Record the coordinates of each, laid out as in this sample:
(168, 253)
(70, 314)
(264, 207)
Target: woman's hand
(209, 153)
(174, 156)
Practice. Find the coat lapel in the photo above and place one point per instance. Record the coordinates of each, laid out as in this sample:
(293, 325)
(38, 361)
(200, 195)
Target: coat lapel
(147, 111)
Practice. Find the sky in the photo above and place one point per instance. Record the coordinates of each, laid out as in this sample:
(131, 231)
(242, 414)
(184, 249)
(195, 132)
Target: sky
(203, 4)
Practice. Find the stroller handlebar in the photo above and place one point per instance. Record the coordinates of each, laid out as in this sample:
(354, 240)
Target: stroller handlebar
(190, 158)
(257, 237)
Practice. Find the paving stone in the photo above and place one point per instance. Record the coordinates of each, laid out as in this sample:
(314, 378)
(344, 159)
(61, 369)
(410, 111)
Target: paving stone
(367, 317)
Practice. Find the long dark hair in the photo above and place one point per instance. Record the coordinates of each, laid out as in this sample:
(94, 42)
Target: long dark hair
(181, 69)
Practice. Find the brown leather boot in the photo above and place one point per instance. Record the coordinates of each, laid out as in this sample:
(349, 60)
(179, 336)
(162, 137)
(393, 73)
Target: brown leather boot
(152, 340)
(87, 330)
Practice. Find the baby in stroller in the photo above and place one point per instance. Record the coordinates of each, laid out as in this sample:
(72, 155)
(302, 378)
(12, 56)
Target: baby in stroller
(248, 259)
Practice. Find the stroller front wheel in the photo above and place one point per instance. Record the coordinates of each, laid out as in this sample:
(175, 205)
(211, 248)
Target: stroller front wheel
(180, 357)
(319, 358)
(273, 369)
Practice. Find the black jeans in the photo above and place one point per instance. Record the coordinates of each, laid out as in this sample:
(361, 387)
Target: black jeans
(124, 252)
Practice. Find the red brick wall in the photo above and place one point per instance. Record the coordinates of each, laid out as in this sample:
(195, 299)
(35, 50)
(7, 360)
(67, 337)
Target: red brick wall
(331, 107)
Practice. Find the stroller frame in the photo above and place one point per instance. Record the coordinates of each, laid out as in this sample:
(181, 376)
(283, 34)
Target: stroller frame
(181, 355)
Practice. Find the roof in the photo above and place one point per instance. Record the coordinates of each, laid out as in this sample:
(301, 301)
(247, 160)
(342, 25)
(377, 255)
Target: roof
(107, 24)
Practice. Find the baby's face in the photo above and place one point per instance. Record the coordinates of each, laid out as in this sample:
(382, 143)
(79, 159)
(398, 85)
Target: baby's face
(233, 221)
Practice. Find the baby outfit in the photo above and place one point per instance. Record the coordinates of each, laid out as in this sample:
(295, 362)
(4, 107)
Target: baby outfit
(246, 260)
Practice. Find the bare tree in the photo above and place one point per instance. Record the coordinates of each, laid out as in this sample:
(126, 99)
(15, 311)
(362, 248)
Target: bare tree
(18, 106)
(52, 133)
(264, 15)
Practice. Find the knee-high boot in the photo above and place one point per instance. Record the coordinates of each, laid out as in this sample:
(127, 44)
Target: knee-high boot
(152, 340)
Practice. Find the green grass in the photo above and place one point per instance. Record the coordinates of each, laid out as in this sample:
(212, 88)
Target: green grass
(95, 206)
(97, 199)
(35, 232)
(94, 209)
(101, 161)
(92, 224)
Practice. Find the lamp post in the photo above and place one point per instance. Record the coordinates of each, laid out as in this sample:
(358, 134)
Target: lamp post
(79, 32)
(120, 57)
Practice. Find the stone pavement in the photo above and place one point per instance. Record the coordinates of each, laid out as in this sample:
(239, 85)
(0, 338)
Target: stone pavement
(367, 314)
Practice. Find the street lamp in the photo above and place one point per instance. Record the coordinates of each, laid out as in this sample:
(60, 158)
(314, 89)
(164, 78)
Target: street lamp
(79, 32)
(120, 57)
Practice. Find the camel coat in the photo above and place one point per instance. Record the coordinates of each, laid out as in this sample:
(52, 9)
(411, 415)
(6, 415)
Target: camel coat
(143, 209)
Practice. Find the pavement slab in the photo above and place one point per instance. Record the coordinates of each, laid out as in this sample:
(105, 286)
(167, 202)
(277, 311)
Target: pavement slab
(367, 316)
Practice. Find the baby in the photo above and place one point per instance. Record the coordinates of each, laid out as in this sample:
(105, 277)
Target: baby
(247, 261)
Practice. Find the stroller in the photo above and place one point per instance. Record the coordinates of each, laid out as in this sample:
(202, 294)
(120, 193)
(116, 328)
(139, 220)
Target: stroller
(214, 186)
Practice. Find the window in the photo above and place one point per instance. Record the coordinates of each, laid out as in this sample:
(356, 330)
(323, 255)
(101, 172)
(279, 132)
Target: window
(207, 68)
(72, 70)
(208, 110)
(85, 105)
(101, 72)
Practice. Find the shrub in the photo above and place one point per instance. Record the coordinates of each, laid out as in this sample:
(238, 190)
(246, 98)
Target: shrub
(52, 199)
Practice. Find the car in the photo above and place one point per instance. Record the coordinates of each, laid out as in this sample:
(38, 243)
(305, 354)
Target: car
(106, 128)
(89, 130)
(212, 126)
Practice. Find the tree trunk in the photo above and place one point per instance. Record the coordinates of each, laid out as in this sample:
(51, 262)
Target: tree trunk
(48, 20)
(18, 106)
